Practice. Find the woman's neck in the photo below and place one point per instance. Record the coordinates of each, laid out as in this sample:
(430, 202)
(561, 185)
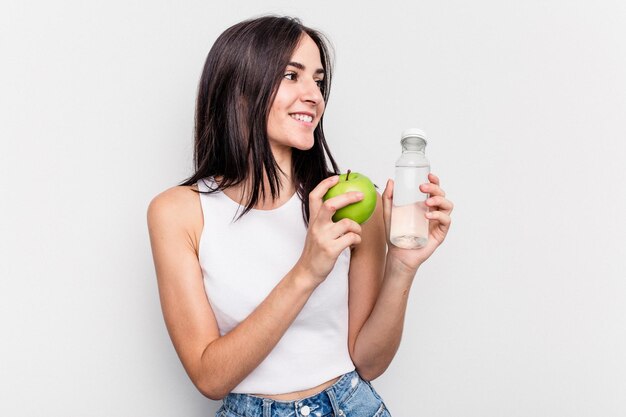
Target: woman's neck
(241, 192)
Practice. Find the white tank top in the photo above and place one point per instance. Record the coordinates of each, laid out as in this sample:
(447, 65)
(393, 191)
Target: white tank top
(243, 261)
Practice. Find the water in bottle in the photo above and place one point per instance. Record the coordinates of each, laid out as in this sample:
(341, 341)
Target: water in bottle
(409, 225)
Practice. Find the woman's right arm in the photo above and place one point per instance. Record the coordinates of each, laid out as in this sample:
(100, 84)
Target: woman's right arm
(215, 364)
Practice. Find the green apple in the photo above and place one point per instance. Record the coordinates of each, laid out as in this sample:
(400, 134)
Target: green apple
(361, 210)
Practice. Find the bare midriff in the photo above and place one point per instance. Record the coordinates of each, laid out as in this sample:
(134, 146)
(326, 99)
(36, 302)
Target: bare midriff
(297, 395)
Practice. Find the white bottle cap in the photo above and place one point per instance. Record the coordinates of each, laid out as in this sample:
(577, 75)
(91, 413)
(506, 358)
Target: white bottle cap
(413, 133)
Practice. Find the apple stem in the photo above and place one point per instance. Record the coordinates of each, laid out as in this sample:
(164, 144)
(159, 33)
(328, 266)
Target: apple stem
(348, 175)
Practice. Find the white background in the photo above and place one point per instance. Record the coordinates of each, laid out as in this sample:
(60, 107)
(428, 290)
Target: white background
(522, 312)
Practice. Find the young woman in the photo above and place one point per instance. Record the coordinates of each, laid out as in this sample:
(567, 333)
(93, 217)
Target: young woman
(272, 306)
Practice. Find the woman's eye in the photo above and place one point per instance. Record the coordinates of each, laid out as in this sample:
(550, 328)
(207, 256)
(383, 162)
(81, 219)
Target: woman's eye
(292, 76)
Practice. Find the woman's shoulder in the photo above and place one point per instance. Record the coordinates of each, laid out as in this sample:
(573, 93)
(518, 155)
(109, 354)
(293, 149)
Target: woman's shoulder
(177, 207)
(179, 197)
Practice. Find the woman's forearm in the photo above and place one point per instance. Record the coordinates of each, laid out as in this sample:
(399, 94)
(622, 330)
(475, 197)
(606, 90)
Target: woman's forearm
(226, 361)
(379, 338)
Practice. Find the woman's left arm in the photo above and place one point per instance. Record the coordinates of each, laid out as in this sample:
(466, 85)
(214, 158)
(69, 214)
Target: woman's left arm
(380, 283)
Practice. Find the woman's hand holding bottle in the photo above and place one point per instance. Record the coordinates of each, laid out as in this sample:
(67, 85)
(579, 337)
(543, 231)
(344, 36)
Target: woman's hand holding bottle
(438, 215)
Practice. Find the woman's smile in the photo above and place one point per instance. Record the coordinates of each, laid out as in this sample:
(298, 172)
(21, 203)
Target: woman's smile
(303, 118)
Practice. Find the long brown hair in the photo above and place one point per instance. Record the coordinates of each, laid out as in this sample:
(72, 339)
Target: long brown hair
(240, 79)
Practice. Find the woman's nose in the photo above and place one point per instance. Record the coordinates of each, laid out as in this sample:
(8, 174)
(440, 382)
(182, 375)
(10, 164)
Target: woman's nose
(311, 92)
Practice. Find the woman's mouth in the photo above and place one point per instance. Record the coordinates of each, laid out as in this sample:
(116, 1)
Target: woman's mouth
(305, 118)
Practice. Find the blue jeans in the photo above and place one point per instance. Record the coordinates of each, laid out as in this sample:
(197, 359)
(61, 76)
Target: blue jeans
(350, 396)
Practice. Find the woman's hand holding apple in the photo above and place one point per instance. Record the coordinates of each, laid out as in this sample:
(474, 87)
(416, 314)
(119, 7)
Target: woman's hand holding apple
(353, 181)
(326, 239)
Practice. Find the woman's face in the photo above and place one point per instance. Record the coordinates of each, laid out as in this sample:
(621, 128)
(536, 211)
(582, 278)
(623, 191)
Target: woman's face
(299, 105)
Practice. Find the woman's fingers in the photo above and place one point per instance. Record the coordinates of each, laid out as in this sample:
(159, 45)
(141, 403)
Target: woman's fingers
(345, 226)
(441, 203)
(387, 204)
(326, 239)
(388, 195)
(317, 194)
(432, 187)
(330, 206)
(443, 218)
(347, 240)
(326, 209)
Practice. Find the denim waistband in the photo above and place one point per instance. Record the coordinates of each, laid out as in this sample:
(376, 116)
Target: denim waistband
(317, 405)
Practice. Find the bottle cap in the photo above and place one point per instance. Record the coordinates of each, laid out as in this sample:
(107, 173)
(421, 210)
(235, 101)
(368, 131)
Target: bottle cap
(414, 133)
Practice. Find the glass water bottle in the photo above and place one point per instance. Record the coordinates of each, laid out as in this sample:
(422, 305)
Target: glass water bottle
(409, 225)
